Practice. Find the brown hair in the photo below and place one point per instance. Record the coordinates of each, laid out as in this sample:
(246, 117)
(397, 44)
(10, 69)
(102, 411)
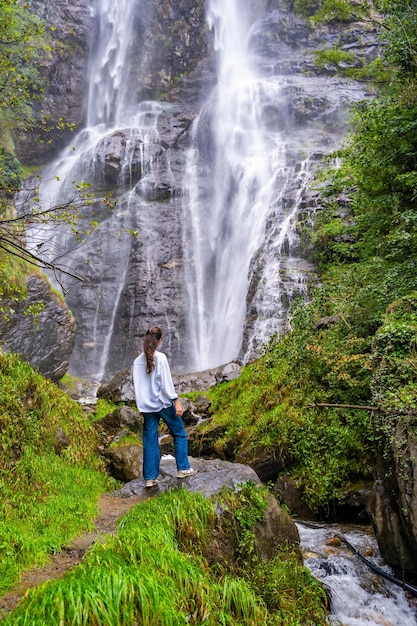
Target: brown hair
(153, 335)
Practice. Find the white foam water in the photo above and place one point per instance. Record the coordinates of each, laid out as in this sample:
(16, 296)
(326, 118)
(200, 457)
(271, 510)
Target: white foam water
(359, 597)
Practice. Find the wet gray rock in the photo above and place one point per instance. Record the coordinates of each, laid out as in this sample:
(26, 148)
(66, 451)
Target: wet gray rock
(274, 530)
(45, 340)
(203, 444)
(392, 506)
(112, 151)
(62, 65)
(209, 478)
(119, 389)
(124, 462)
(124, 419)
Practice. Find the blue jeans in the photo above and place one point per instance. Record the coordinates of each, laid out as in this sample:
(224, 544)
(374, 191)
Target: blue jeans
(151, 453)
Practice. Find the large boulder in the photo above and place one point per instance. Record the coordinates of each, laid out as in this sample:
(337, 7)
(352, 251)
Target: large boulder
(122, 419)
(275, 529)
(124, 463)
(210, 477)
(392, 506)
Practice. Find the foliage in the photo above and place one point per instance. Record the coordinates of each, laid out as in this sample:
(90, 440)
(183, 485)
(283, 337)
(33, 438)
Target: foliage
(394, 20)
(394, 385)
(401, 36)
(13, 274)
(374, 237)
(10, 174)
(44, 221)
(46, 499)
(365, 243)
(269, 406)
(103, 407)
(156, 571)
(333, 10)
(240, 512)
(20, 41)
(287, 588)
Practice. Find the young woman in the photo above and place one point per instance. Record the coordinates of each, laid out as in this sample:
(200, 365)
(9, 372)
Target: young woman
(156, 398)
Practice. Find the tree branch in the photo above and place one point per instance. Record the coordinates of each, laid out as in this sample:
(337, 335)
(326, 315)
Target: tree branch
(362, 407)
(344, 406)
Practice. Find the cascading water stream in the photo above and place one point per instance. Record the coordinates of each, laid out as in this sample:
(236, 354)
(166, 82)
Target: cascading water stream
(358, 596)
(109, 99)
(237, 176)
(106, 108)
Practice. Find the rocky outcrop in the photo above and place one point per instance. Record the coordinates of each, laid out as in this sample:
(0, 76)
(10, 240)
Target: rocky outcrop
(123, 419)
(43, 337)
(209, 478)
(275, 529)
(392, 506)
(62, 63)
(124, 463)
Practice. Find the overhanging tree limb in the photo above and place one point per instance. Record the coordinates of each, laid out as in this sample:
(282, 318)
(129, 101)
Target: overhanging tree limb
(360, 407)
(363, 407)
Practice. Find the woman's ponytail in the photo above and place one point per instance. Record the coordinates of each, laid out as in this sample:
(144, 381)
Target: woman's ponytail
(153, 335)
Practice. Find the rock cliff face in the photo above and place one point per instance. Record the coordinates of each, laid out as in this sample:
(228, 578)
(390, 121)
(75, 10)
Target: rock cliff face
(141, 263)
(64, 69)
(46, 340)
(392, 505)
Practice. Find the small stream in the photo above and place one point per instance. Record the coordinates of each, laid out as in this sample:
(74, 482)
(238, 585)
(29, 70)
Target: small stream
(359, 597)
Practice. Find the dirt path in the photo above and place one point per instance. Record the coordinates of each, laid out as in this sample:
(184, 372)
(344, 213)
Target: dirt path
(111, 509)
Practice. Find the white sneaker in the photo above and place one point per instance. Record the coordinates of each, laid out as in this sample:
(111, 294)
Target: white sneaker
(185, 473)
(151, 483)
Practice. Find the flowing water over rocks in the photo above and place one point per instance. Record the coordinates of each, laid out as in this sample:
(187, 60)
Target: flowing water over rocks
(358, 595)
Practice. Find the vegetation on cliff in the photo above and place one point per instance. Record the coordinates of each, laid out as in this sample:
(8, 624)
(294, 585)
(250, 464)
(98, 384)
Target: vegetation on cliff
(49, 490)
(355, 342)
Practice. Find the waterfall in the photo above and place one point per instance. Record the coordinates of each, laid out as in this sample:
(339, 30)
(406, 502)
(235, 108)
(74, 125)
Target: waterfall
(118, 129)
(238, 175)
(358, 596)
(208, 192)
(109, 99)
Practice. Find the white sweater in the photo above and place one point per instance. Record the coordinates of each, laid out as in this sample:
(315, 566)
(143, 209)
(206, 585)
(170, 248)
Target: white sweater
(154, 391)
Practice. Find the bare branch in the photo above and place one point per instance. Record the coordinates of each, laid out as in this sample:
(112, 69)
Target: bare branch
(361, 407)
(344, 406)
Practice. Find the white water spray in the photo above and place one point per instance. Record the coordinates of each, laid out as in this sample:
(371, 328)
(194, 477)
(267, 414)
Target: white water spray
(231, 197)
(247, 169)
(109, 95)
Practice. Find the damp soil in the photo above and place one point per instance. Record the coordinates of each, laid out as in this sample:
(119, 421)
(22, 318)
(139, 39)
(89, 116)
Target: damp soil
(112, 508)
